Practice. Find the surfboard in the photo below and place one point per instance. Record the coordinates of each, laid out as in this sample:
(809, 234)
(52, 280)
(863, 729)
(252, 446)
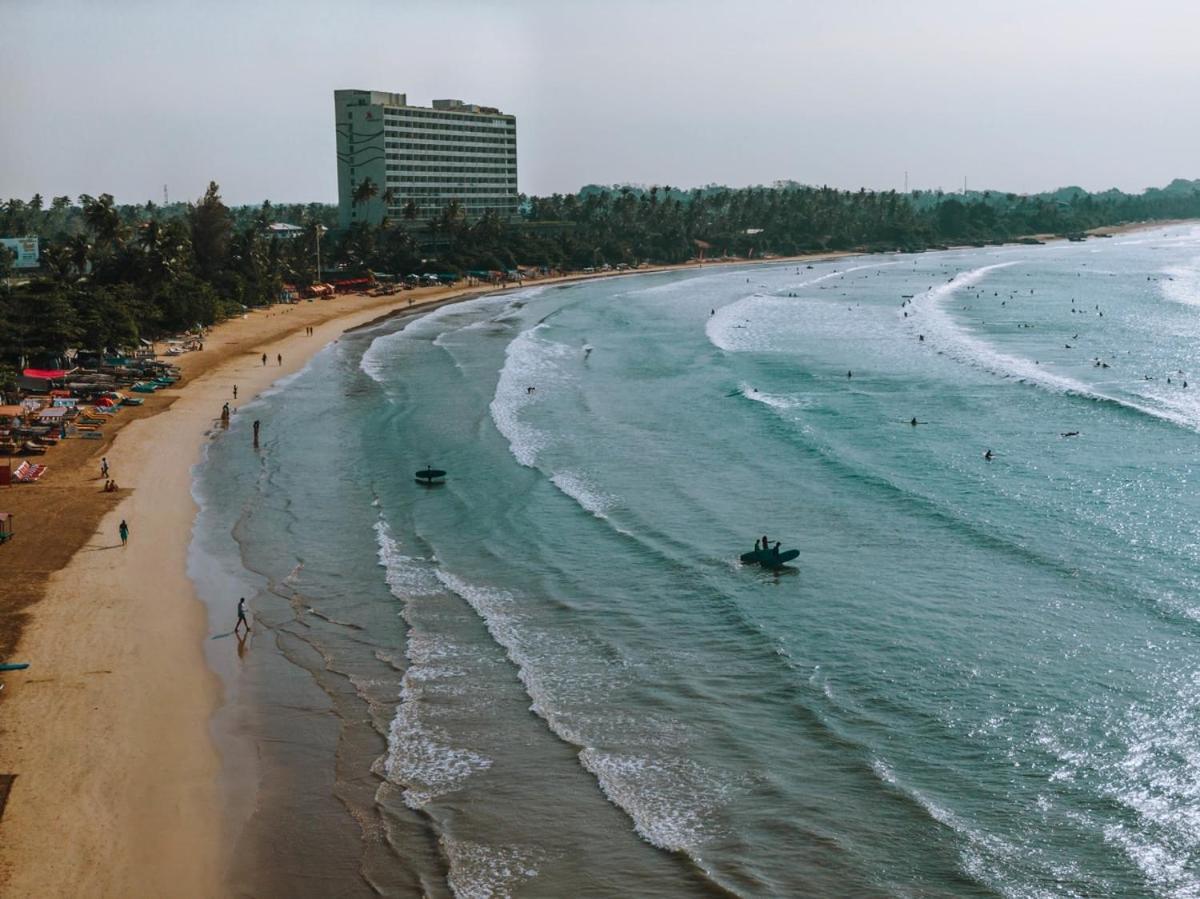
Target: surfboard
(14, 666)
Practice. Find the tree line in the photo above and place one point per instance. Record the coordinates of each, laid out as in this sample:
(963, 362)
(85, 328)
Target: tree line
(114, 273)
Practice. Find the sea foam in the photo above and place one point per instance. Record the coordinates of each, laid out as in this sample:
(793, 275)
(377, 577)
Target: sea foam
(420, 757)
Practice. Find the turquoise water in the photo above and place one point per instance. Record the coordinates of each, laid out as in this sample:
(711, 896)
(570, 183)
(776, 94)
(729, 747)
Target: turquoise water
(551, 676)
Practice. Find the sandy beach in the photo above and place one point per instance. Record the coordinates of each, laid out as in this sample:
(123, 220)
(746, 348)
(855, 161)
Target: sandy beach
(117, 789)
(108, 732)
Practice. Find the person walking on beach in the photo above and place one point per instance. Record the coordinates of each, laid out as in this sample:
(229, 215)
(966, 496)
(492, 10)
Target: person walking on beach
(123, 530)
(235, 391)
(280, 358)
(103, 466)
(264, 359)
(241, 610)
(256, 433)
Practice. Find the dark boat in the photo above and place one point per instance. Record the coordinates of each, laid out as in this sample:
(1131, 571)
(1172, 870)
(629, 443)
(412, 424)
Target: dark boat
(769, 558)
(430, 476)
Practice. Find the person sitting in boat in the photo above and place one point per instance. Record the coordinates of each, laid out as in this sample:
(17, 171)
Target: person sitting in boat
(775, 548)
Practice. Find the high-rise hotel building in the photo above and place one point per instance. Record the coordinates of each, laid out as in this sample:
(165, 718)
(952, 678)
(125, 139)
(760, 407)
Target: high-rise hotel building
(426, 155)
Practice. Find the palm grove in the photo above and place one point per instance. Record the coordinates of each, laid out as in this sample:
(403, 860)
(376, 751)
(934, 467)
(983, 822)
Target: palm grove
(113, 273)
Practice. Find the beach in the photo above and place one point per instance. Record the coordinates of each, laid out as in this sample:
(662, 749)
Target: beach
(109, 732)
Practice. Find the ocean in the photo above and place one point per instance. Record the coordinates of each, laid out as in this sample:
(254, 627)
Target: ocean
(551, 676)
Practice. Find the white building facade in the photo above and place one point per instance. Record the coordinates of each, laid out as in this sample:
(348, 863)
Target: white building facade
(429, 156)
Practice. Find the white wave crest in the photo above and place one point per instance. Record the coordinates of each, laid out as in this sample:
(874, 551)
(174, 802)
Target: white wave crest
(530, 361)
(671, 801)
(928, 316)
(420, 757)
(583, 492)
(752, 323)
(431, 325)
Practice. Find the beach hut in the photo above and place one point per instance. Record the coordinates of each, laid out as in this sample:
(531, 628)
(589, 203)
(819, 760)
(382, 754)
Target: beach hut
(6, 526)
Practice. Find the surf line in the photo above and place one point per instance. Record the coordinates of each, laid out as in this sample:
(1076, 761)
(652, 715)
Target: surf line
(965, 347)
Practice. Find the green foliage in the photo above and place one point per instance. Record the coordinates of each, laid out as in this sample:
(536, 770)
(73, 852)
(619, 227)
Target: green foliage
(113, 273)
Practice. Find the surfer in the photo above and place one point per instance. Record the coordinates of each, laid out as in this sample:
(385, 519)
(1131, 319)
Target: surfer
(988, 455)
(529, 390)
(850, 374)
(241, 613)
(914, 421)
(1070, 434)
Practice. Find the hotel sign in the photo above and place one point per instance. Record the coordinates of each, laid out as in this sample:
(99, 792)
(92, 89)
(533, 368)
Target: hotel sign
(26, 249)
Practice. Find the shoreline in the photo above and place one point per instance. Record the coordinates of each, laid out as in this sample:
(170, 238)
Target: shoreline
(110, 731)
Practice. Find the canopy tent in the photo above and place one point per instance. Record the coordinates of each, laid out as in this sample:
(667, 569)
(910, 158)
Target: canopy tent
(52, 413)
(11, 411)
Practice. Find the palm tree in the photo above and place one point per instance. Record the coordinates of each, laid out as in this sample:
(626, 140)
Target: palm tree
(79, 251)
(365, 192)
(100, 215)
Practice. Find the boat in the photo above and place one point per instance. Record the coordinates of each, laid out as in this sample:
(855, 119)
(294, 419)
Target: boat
(769, 558)
(430, 476)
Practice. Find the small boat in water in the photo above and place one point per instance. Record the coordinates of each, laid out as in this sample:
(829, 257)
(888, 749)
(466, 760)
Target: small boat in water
(769, 558)
(430, 476)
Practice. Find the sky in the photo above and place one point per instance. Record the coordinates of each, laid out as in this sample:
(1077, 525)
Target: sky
(126, 96)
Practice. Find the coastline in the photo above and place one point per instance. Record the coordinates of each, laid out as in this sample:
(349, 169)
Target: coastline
(109, 733)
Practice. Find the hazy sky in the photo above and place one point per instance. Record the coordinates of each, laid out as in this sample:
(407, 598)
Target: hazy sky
(123, 95)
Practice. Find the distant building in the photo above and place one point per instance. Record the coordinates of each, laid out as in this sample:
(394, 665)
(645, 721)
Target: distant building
(427, 156)
(25, 248)
(284, 231)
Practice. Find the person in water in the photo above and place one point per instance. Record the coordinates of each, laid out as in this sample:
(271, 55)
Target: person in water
(914, 421)
(988, 455)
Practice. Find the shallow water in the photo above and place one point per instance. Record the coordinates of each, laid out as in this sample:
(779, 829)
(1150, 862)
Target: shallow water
(551, 676)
